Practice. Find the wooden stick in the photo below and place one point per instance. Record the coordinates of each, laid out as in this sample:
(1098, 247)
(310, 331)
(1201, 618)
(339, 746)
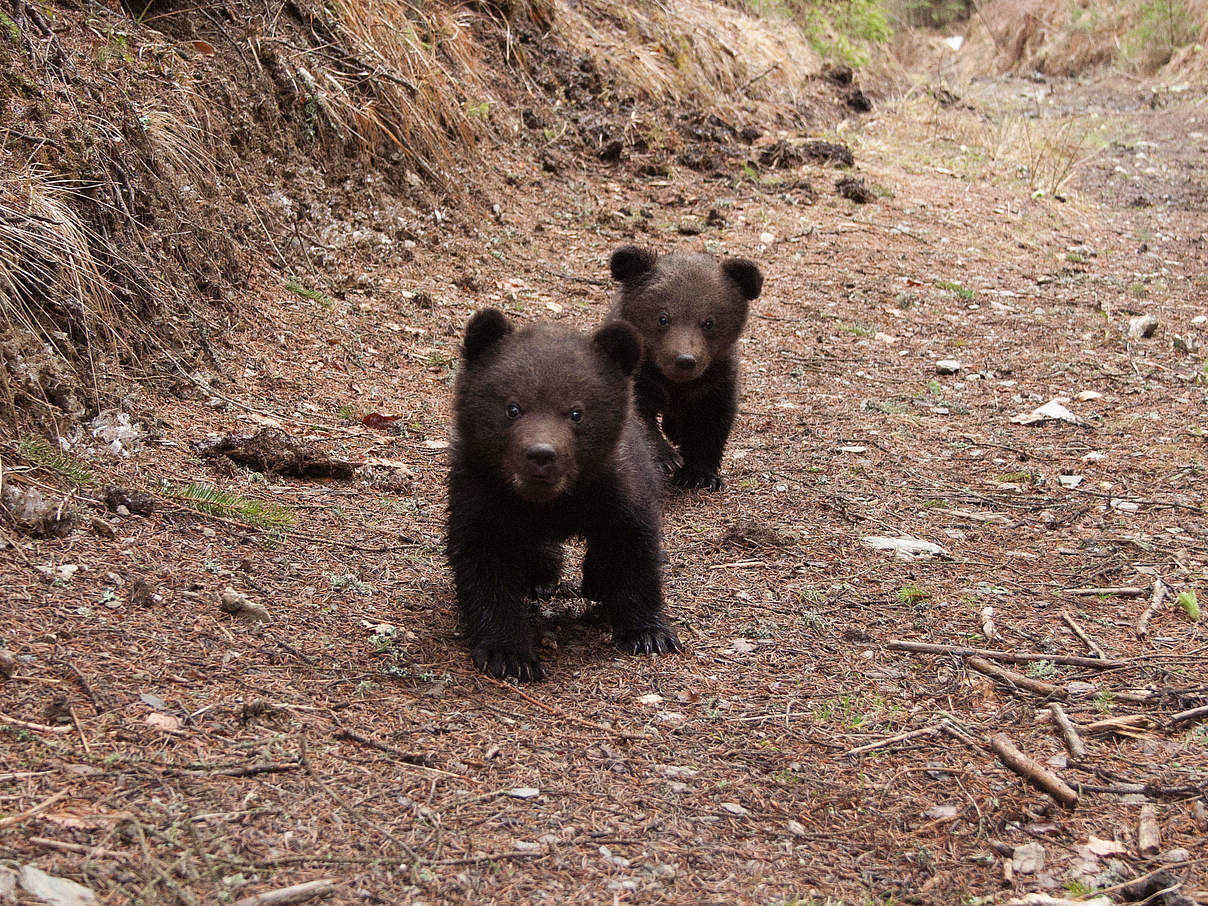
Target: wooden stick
(41, 728)
(901, 737)
(1081, 633)
(92, 852)
(1155, 604)
(1073, 741)
(1120, 591)
(1029, 770)
(1009, 656)
(1015, 680)
(299, 893)
(1149, 840)
(34, 810)
(1118, 723)
(1190, 714)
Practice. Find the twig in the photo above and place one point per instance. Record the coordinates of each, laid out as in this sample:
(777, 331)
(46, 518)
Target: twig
(92, 852)
(1081, 633)
(249, 770)
(33, 810)
(407, 758)
(901, 737)
(488, 857)
(1016, 680)
(298, 893)
(1189, 714)
(1069, 733)
(751, 81)
(40, 728)
(1139, 789)
(1120, 591)
(1029, 770)
(1009, 656)
(1155, 604)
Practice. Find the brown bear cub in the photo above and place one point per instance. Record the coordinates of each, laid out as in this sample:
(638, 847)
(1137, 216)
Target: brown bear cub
(545, 447)
(690, 310)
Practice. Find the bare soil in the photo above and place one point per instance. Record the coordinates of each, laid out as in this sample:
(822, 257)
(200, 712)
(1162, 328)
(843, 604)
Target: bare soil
(160, 750)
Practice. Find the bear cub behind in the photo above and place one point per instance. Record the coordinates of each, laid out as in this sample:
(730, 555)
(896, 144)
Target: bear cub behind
(690, 310)
(545, 447)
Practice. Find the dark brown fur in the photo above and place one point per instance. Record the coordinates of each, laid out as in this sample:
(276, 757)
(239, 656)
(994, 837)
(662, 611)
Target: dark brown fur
(546, 447)
(690, 310)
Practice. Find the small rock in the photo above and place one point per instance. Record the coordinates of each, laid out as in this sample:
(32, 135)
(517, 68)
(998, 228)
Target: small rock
(1175, 855)
(947, 366)
(1141, 327)
(941, 812)
(1069, 481)
(55, 891)
(1027, 859)
(8, 884)
(767, 238)
(734, 809)
(526, 846)
(796, 828)
(240, 605)
(1086, 395)
(102, 529)
(524, 792)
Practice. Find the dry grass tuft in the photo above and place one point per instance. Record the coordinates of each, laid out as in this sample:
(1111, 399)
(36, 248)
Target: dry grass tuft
(51, 287)
(179, 134)
(418, 83)
(691, 50)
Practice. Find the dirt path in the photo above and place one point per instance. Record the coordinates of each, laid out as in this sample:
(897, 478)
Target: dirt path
(202, 759)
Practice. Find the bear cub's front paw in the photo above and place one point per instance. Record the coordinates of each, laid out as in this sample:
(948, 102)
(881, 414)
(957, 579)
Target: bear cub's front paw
(659, 639)
(503, 663)
(701, 479)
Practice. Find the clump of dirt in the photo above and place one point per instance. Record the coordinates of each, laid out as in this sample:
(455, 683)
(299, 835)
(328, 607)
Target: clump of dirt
(786, 155)
(853, 188)
(34, 513)
(271, 450)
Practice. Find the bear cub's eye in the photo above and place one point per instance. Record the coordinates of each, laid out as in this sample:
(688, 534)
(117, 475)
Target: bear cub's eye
(664, 320)
(708, 325)
(576, 415)
(513, 410)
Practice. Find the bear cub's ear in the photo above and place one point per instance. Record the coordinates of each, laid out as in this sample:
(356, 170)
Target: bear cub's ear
(485, 329)
(620, 342)
(746, 274)
(629, 262)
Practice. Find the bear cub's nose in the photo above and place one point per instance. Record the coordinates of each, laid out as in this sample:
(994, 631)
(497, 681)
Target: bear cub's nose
(541, 455)
(685, 362)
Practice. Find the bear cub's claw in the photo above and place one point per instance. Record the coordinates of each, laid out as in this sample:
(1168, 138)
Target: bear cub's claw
(686, 477)
(651, 640)
(503, 664)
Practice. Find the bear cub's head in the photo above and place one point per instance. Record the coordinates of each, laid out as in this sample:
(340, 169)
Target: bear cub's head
(540, 410)
(689, 308)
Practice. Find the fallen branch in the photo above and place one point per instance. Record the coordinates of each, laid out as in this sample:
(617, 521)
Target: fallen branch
(299, 893)
(33, 810)
(92, 852)
(1118, 723)
(40, 728)
(249, 770)
(1189, 714)
(1120, 591)
(1081, 633)
(424, 762)
(1160, 591)
(1033, 773)
(1009, 656)
(1015, 680)
(1140, 789)
(1073, 742)
(901, 737)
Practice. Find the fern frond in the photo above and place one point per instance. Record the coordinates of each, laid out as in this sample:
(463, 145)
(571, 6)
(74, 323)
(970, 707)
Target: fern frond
(212, 501)
(38, 452)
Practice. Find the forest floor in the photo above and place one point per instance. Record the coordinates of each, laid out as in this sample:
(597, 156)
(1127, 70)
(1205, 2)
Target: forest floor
(159, 750)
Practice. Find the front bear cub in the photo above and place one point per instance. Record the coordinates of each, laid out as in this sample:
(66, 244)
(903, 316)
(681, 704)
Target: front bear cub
(545, 447)
(690, 310)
